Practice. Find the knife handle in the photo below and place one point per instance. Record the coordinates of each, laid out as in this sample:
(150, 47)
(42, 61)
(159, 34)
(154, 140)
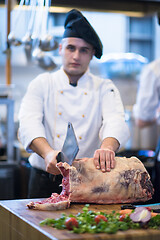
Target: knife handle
(59, 157)
(128, 206)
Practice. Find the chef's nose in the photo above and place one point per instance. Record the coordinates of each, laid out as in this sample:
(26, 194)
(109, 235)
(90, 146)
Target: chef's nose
(76, 54)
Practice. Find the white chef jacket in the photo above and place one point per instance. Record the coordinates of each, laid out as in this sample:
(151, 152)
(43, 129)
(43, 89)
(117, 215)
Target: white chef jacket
(94, 108)
(148, 97)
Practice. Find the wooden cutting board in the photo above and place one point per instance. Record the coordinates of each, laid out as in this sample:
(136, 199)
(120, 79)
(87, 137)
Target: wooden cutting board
(17, 222)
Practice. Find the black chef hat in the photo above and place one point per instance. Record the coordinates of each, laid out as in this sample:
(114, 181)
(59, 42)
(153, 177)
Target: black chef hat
(76, 25)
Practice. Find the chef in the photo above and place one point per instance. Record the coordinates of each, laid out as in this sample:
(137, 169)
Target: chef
(146, 110)
(147, 107)
(71, 94)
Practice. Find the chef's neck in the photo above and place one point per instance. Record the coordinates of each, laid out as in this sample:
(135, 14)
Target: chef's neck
(73, 79)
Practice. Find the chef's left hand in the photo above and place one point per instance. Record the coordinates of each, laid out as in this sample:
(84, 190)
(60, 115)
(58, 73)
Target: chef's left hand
(104, 159)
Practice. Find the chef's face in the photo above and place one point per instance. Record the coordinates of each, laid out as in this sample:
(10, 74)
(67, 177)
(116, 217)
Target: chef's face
(76, 56)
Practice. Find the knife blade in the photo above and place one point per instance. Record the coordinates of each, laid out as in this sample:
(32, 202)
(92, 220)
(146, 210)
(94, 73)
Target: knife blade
(70, 147)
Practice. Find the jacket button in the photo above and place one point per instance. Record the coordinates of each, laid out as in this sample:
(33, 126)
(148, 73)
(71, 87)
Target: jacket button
(83, 115)
(80, 137)
(58, 136)
(61, 92)
(85, 93)
(60, 113)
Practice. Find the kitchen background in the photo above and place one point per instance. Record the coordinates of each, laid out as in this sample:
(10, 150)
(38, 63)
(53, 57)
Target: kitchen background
(129, 43)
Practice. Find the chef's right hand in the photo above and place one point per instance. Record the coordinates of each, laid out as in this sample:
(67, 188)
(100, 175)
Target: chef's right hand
(104, 159)
(51, 161)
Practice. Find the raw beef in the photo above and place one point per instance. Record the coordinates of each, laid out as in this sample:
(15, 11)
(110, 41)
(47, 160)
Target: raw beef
(128, 182)
(55, 202)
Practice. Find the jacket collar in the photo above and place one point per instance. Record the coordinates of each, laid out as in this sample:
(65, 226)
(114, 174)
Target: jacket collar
(82, 82)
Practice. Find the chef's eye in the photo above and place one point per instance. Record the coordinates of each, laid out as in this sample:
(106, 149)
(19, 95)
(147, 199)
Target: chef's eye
(84, 50)
(71, 48)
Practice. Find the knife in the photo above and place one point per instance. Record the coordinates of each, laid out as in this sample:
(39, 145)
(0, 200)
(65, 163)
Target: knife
(70, 147)
(154, 206)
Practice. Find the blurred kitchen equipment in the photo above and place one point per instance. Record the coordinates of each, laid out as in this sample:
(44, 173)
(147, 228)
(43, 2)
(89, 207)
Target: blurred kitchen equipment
(10, 131)
(47, 41)
(27, 39)
(9, 181)
(6, 90)
(43, 60)
(37, 41)
(9, 168)
(121, 65)
(12, 39)
(46, 63)
(140, 138)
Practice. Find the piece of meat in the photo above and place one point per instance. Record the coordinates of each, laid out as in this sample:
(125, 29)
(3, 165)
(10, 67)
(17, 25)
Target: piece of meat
(55, 202)
(128, 182)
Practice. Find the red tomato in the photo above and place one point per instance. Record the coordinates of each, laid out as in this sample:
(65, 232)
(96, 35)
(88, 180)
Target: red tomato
(71, 222)
(98, 218)
(148, 208)
(122, 217)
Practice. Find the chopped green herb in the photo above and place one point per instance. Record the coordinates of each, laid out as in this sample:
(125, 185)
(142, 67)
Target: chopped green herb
(86, 222)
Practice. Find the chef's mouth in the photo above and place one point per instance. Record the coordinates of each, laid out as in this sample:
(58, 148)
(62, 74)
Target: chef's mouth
(75, 64)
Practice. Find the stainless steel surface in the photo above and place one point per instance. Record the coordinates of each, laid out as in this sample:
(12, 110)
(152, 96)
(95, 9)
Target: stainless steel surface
(10, 127)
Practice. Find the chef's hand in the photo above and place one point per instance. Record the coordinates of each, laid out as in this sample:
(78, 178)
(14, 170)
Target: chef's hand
(104, 159)
(51, 161)
(43, 149)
